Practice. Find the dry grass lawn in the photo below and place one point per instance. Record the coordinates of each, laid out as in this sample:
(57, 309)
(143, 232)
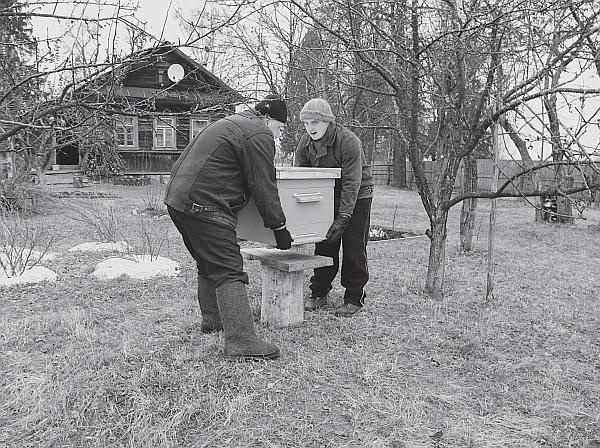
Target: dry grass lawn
(85, 363)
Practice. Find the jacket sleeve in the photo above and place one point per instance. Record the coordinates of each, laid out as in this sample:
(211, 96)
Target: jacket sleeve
(301, 153)
(258, 165)
(351, 175)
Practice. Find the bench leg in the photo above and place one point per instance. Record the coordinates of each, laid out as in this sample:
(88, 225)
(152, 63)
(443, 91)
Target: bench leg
(282, 299)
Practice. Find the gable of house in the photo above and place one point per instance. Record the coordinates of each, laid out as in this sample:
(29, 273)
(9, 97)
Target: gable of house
(166, 99)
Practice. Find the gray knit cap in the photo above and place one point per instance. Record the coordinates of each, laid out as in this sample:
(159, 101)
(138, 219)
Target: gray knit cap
(316, 109)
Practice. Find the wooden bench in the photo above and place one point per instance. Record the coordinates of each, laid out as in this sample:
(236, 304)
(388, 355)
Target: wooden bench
(282, 302)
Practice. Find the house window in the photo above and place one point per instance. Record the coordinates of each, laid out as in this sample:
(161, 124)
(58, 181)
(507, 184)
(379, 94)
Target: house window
(197, 125)
(164, 131)
(162, 76)
(126, 128)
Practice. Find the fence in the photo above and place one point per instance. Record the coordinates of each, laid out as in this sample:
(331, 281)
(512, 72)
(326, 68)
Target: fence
(383, 175)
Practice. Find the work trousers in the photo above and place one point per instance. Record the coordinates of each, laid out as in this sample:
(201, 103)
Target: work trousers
(355, 270)
(214, 247)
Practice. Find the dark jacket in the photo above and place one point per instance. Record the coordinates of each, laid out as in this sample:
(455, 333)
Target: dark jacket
(230, 161)
(339, 148)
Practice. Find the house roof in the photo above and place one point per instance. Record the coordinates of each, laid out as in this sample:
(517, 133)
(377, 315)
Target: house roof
(168, 48)
(147, 56)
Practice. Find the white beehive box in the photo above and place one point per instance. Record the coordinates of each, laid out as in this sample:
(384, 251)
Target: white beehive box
(307, 200)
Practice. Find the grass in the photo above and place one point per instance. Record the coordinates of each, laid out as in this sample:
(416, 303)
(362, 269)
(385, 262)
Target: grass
(123, 363)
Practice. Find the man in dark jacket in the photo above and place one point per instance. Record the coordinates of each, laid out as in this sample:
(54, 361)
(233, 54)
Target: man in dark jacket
(330, 145)
(227, 163)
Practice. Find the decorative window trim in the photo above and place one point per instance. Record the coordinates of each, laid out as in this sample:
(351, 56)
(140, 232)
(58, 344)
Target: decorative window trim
(161, 126)
(119, 124)
(195, 130)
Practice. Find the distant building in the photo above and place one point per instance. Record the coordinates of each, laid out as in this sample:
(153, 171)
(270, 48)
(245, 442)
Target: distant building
(168, 98)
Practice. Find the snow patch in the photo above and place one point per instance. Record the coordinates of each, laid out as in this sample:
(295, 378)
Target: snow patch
(119, 246)
(35, 274)
(140, 267)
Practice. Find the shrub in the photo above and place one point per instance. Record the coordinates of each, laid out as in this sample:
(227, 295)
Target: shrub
(17, 193)
(152, 197)
(150, 238)
(101, 218)
(100, 157)
(22, 245)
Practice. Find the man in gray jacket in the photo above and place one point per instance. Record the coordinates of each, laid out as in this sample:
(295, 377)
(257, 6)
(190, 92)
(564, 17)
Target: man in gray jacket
(230, 161)
(330, 145)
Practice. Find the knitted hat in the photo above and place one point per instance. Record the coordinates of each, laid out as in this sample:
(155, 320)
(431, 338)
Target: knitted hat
(316, 109)
(273, 107)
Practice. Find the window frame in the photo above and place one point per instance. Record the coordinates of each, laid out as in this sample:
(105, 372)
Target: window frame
(119, 124)
(165, 123)
(193, 128)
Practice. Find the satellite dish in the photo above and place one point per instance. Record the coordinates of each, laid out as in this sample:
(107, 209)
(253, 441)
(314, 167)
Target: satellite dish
(175, 72)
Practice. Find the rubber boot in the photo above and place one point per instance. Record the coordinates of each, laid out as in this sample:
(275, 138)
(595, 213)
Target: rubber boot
(241, 340)
(207, 298)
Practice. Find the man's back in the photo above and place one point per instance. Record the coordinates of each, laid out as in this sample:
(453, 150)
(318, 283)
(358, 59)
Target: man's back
(226, 163)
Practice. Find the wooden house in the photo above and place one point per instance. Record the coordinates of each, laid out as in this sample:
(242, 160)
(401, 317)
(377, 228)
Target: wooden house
(166, 98)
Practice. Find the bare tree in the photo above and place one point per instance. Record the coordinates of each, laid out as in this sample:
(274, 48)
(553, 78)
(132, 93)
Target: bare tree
(259, 37)
(449, 88)
(440, 65)
(287, 56)
(41, 99)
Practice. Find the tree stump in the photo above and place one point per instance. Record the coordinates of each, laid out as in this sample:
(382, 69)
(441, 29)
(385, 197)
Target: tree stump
(282, 303)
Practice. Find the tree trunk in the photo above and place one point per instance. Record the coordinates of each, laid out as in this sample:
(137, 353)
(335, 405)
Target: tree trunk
(564, 208)
(43, 164)
(434, 285)
(539, 211)
(398, 161)
(469, 206)
(41, 175)
(399, 20)
(527, 162)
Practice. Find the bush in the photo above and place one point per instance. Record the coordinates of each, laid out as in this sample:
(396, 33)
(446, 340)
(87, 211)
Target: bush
(22, 244)
(101, 218)
(100, 157)
(17, 193)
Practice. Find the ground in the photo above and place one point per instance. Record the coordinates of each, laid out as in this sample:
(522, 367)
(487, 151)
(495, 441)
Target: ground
(118, 263)
(122, 362)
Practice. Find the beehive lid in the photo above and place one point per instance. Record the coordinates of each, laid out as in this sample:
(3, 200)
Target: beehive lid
(293, 172)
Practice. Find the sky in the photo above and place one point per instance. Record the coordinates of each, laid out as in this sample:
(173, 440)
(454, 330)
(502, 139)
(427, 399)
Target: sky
(160, 17)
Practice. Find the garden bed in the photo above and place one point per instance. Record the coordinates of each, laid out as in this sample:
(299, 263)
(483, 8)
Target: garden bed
(380, 233)
(132, 180)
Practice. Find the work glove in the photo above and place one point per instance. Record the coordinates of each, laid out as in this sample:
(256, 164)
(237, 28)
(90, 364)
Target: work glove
(283, 238)
(337, 228)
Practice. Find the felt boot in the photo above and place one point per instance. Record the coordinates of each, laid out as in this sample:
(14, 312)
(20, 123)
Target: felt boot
(207, 298)
(241, 340)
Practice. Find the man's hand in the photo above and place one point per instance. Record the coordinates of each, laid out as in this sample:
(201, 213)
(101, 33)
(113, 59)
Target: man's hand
(336, 230)
(283, 238)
